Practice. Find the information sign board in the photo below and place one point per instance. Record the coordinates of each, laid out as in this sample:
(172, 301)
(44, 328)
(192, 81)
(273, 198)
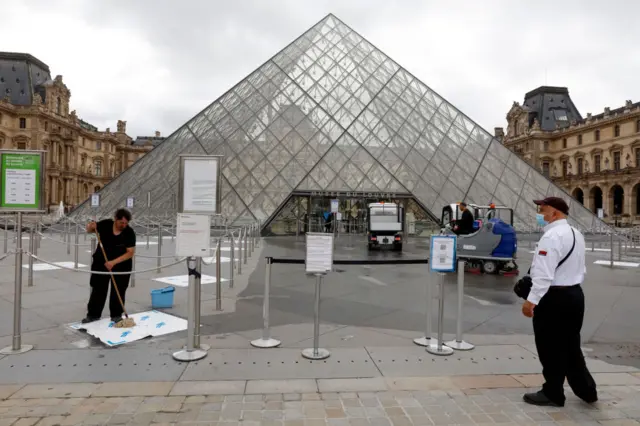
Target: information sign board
(319, 257)
(95, 200)
(129, 202)
(442, 256)
(193, 235)
(199, 184)
(335, 206)
(22, 181)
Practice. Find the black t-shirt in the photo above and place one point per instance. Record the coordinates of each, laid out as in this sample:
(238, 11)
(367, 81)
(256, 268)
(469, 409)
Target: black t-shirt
(114, 245)
(466, 223)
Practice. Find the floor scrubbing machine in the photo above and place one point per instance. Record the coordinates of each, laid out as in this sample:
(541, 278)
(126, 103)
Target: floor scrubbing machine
(492, 246)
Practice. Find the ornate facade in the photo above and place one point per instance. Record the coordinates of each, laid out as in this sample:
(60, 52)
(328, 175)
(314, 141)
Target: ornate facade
(35, 115)
(595, 159)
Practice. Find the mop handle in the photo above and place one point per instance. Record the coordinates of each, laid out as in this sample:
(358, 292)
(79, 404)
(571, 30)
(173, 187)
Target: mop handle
(104, 253)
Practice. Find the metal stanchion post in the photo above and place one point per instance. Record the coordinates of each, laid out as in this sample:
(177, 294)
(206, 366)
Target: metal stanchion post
(252, 239)
(6, 235)
(232, 259)
(246, 245)
(240, 252)
(620, 249)
(68, 238)
(593, 246)
(218, 276)
(458, 343)
(173, 232)
(266, 341)
(76, 248)
(438, 348)
(316, 352)
(17, 347)
(148, 236)
(133, 268)
(611, 252)
(30, 273)
(191, 353)
(159, 260)
(428, 338)
(198, 305)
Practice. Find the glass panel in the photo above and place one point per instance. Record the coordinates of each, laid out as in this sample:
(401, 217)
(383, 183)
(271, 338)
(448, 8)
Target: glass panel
(451, 193)
(308, 184)
(323, 174)
(486, 178)
(251, 156)
(499, 151)
(468, 163)
(512, 180)
(506, 195)
(293, 142)
(518, 165)
(264, 172)
(416, 162)
(351, 175)
(425, 193)
(389, 160)
(406, 177)
(478, 194)
(339, 184)
(433, 176)
(266, 142)
(293, 173)
(279, 157)
(441, 162)
(461, 178)
(335, 158)
(367, 186)
(248, 188)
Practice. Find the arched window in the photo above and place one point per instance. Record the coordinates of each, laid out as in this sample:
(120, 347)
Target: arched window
(98, 167)
(616, 131)
(58, 106)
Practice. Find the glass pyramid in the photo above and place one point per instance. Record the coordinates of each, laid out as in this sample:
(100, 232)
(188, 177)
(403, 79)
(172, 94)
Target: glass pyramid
(331, 112)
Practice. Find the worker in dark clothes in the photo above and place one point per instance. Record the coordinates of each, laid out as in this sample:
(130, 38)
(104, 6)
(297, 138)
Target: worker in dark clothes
(464, 226)
(556, 303)
(119, 242)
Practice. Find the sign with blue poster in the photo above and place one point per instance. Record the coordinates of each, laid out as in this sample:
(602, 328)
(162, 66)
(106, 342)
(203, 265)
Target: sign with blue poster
(442, 256)
(148, 324)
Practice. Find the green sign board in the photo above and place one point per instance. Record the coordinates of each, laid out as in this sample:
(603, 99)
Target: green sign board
(21, 179)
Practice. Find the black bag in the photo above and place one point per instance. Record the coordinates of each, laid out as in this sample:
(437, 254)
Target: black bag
(524, 284)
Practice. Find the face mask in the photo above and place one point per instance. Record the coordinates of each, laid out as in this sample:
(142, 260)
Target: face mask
(540, 220)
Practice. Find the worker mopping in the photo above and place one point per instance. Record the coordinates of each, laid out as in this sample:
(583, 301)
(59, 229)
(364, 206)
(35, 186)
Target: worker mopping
(116, 241)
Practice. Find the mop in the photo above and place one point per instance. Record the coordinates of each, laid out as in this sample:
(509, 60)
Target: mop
(126, 322)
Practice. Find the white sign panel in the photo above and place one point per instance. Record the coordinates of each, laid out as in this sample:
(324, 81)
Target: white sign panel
(95, 200)
(600, 214)
(339, 216)
(200, 185)
(319, 258)
(335, 206)
(129, 202)
(193, 235)
(442, 257)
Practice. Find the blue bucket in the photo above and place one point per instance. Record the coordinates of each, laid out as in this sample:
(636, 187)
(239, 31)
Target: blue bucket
(162, 297)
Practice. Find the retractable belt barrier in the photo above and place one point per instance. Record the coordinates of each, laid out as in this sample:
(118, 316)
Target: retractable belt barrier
(433, 345)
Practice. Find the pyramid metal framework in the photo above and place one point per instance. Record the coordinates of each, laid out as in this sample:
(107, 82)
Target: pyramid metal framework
(331, 112)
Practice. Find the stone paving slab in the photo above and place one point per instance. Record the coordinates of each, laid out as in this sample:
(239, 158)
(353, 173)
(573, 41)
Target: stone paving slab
(453, 405)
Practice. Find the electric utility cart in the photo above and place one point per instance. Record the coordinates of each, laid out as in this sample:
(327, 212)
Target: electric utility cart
(385, 222)
(492, 246)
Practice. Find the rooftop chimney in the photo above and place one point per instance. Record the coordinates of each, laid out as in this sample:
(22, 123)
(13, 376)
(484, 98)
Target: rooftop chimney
(157, 134)
(499, 133)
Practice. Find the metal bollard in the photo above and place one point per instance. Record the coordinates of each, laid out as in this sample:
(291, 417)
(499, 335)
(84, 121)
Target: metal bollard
(438, 348)
(316, 352)
(218, 276)
(17, 347)
(198, 305)
(191, 353)
(246, 245)
(148, 236)
(593, 246)
(251, 240)
(428, 338)
(266, 341)
(68, 238)
(232, 258)
(620, 249)
(30, 273)
(38, 237)
(159, 260)
(458, 343)
(240, 252)
(76, 248)
(173, 232)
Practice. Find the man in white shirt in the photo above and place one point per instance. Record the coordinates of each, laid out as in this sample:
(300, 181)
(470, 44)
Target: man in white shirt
(556, 303)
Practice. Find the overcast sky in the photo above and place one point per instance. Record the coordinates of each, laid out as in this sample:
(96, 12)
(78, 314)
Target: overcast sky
(156, 63)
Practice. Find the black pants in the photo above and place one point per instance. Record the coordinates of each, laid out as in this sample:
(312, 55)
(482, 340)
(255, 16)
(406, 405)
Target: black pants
(100, 285)
(557, 321)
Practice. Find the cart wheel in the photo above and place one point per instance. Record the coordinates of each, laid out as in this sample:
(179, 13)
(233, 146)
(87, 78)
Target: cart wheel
(489, 267)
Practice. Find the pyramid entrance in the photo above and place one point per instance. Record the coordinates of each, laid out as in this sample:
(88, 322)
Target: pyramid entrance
(332, 113)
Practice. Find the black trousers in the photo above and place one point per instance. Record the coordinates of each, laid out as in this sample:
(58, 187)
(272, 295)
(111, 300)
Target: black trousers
(557, 321)
(100, 285)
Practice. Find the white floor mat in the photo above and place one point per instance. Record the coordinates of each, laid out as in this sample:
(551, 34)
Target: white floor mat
(183, 280)
(148, 324)
(46, 267)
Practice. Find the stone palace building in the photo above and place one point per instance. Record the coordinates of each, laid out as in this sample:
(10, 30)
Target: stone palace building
(35, 115)
(595, 158)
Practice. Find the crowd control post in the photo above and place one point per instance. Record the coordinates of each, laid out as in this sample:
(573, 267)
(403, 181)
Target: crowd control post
(442, 260)
(232, 258)
(16, 168)
(428, 338)
(459, 344)
(159, 260)
(6, 235)
(318, 262)
(191, 352)
(240, 252)
(246, 244)
(266, 341)
(611, 246)
(30, 273)
(76, 240)
(218, 276)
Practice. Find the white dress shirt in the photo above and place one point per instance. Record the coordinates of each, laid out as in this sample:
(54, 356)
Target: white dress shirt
(554, 245)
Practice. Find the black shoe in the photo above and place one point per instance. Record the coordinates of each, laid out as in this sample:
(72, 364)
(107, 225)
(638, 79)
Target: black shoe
(87, 320)
(540, 399)
(116, 319)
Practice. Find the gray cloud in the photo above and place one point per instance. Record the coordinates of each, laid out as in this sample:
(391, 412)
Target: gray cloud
(156, 63)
